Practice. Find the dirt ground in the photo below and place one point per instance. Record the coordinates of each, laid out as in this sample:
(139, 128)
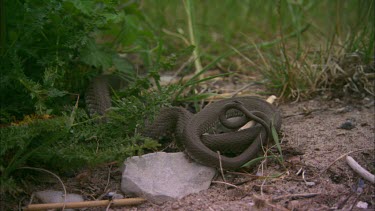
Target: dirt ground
(311, 141)
(312, 176)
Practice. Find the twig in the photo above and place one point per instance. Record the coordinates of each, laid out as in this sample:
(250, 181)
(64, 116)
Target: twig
(226, 183)
(102, 203)
(305, 113)
(242, 88)
(360, 170)
(178, 71)
(109, 205)
(108, 177)
(176, 35)
(261, 187)
(299, 195)
(355, 201)
(261, 202)
(221, 167)
(254, 176)
(339, 158)
(58, 178)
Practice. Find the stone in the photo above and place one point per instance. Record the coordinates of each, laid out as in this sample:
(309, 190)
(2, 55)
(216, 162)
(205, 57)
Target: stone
(161, 176)
(362, 205)
(52, 196)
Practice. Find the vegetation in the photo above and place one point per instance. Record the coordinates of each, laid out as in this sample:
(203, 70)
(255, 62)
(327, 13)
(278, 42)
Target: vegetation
(255, 37)
(51, 49)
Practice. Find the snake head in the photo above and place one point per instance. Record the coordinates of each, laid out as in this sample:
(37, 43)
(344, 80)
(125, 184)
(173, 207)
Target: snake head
(226, 122)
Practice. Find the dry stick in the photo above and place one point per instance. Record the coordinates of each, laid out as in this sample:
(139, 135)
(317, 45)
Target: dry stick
(228, 184)
(360, 170)
(178, 71)
(108, 177)
(253, 176)
(339, 158)
(102, 203)
(299, 195)
(355, 201)
(221, 167)
(260, 202)
(108, 206)
(58, 178)
(261, 187)
(241, 89)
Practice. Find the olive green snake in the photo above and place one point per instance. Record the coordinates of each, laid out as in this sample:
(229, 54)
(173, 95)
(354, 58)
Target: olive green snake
(229, 150)
(191, 130)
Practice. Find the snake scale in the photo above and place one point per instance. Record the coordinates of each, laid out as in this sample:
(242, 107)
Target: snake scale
(236, 147)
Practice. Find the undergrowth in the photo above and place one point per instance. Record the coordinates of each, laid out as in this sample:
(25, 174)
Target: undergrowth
(51, 49)
(341, 65)
(69, 142)
(252, 37)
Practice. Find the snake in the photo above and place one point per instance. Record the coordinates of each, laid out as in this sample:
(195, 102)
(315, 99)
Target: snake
(216, 150)
(227, 149)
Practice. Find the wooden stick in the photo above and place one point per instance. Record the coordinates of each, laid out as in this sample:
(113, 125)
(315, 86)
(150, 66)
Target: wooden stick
(101, 203)
(361, 171)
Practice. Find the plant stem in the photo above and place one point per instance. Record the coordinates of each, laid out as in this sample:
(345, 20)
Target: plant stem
(191, 23)
(2, 27)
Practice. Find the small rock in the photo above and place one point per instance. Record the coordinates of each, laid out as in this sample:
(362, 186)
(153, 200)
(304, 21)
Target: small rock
(293, 205)
(368, 102)
(362, 205)
(310, 184)
(175, 205)
(113, 195)
(344, 110)
(348, 124)
(161, 176)
(51, 196)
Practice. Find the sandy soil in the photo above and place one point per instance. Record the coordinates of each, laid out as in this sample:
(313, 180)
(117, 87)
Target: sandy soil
(310, 178)
(311, 141)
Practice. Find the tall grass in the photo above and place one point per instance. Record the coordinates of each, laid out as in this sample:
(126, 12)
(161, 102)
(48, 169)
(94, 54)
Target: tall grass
(294, 68)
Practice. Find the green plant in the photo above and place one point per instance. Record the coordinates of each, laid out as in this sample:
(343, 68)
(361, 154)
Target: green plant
(52, 48)
(72, 141)
(20, 144)
(306, 71)
(291, 66)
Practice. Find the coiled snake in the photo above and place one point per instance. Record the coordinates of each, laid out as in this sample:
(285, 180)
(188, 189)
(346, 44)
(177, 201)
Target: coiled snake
(191, 130)
(236, 147)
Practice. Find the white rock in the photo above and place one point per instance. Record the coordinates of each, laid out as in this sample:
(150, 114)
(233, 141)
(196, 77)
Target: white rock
(362, 205)
(51, 196)
(164, 176)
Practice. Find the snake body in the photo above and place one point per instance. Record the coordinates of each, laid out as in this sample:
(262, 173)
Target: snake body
(191, 130)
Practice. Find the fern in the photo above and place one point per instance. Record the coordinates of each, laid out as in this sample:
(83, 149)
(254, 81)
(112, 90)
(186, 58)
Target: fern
(54, 47)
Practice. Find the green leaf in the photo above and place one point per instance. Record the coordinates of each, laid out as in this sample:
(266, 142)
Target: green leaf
(53, 92)
(276, 139)
(95, 56)
(196, 97)
(122, 65)
(256, 160)
(84, 6)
